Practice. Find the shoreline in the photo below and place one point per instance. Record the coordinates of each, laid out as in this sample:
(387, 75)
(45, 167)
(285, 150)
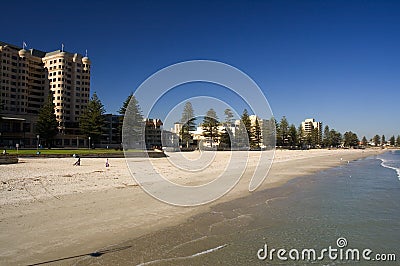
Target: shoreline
(90, 220)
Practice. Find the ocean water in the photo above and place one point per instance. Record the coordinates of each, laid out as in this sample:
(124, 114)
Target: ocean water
(355, 205)
(391, 160)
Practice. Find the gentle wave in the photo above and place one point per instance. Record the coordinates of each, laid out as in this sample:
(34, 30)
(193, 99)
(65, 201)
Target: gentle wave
(384, 164)
(186, 257)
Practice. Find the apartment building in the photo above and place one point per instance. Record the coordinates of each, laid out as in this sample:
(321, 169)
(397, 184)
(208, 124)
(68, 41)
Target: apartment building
(27, 77)
(309, 125)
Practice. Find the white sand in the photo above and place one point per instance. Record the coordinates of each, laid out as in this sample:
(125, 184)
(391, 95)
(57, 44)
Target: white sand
(50, 209)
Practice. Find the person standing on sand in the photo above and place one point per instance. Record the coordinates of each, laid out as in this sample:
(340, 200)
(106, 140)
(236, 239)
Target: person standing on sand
(107, 164)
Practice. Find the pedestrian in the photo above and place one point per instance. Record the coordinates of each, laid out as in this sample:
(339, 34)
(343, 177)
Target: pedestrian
(107, 164)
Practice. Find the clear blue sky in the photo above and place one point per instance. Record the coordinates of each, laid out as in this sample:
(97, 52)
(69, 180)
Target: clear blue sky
(336, 61)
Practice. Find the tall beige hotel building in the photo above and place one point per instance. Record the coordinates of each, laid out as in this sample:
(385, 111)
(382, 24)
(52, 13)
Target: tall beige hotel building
(27, 76)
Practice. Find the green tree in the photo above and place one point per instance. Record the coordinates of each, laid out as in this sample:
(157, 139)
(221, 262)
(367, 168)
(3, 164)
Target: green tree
(292, 135)
(392, 141)
(188, 121)
(383, 142)
(377, 140)
(269, 133)
(300, 136)
(241, 140)
(326, 139)
(228, 117)
(46, 125)
(398, 141)
(210, 126)
(364, 141)
(283, 132)
(122, 111)
(315, 137)
(350, 139)
(225, 139)
(133, 126)
(125, 104)
(336, 138)
(92, 119)
(256, 134)
(245, 119)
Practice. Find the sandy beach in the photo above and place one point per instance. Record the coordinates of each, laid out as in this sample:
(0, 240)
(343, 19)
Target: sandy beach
(50, 209)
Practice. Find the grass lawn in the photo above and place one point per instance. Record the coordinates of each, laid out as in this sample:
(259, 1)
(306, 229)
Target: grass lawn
(65, 151)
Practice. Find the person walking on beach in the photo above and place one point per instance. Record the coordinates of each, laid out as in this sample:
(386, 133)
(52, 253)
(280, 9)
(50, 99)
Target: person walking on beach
(107, 164)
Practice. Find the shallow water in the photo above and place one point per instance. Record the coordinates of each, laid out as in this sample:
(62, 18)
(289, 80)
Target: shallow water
(358, 201)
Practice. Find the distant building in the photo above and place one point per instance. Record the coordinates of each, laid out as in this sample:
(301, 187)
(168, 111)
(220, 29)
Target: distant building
(169, 140)
(177, 128)
(309, 125)
(153, 131)
(27, 77)
(111, 131)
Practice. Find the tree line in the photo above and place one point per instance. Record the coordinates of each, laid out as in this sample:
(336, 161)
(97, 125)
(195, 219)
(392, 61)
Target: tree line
(91, 121)
(246, 135)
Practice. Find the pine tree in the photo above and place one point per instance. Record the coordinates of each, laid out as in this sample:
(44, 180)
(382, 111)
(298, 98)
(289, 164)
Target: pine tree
(125, 104)
(326, 140)
(392, 141)
(269, 133)
(188, 121)
(256, 134)
(336, 138)
(225, 139)
(283, 132)
(350, 139)
(377, 140)
(398, 141)
(383, 142)
(364, 141)
(133, 126)
(46, 125)
(292, 135)
(210, 126)
(300, 136)
(315, 137)
(92, 119)
(246, 122)
(244, 133)
(228, 117)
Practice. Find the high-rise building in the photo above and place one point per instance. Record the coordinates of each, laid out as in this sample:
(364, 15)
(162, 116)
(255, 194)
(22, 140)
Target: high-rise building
(309, 125)
(69, 79)
(27, 77)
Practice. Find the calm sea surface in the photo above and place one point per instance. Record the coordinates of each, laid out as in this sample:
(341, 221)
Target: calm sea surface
(358, 202)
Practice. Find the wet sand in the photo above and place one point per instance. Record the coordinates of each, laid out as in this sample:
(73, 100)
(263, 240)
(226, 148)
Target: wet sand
(50, 210)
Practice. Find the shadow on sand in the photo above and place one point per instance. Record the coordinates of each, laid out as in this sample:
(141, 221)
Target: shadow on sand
(93, 254)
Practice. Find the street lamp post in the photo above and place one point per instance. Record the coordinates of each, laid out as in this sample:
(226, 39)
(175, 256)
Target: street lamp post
(37, 149)
(89, 142)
